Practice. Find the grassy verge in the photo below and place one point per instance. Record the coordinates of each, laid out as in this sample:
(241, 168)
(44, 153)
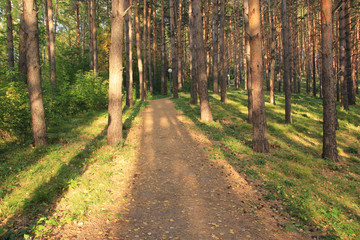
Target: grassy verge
(323, 195)
(60, 183)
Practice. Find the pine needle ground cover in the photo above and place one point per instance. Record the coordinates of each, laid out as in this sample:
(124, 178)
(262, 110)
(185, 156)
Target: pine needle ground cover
(320, 196)
(45, 187)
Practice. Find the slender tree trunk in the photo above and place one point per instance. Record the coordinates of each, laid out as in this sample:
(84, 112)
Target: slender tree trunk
(91, 42)
(94, 36)
(223, 78)
(149, 60)
(215, 49)
(51, 39)
(155, 46)
(260, 143)
(10, 39)
(179, 47)
(77, 6)
(308, 50)
(272, 55)
(129, 61)
(314, 54)
(193, 65)
(138, 53)
(163, 67)
(247, 55)
(286, 63)
(173, 50)
(145, 46)
(114, 132)
(351, 88)
(329, 100)
(34, 74)
(22, 48)
(343, 69)
(197, 31)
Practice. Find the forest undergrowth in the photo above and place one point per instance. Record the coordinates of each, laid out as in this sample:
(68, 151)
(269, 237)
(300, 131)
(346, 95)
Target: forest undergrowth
(319, 195)
(46, 187)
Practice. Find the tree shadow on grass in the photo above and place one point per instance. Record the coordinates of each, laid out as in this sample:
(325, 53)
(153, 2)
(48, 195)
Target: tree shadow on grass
(16, 158)
(42, 201)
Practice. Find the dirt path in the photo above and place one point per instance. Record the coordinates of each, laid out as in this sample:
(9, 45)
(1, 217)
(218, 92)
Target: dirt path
(179, 193)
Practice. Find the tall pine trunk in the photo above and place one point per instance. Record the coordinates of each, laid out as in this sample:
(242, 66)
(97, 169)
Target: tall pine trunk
(114, 132)
(260, 143)
(193, 66)
(197, 32)
(173, 50)
(215, 49)
(272, 55)
(34, 74)
(342, 40)
(51, 40)
(329, 84)
(286, 62)
(10, 38)
(22, 48)
(223, 78)
(129, 61)
(138, 53)
(163, 67)
(247, 56)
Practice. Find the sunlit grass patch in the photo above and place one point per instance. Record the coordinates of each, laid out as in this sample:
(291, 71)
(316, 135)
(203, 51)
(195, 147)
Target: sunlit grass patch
(321, 194)
(65, 181)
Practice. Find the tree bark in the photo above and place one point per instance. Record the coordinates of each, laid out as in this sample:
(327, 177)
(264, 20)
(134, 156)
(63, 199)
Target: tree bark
(163, 67)
(343, 69)
(94, 36)
(223, 78)
(173, 50)
(314, 54)
(149, 60)
(91, 42)
(260, 143)
(179, 47)
(197, 31)
(272, 54)
(329, 100)
(22, 48)
(247, 55)
(129, 61)
(10, 38)
(114, 132)
(138, 53)
(51, 39)
(286, 63)
(351, 88)
(34, 74)
(215, 49)
(193, 65)
(77, 10)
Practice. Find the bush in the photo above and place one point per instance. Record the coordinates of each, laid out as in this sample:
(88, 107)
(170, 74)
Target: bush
(15, 118)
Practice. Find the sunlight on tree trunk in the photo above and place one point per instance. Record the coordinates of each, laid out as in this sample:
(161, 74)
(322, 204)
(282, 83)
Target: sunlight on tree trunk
(114, 132)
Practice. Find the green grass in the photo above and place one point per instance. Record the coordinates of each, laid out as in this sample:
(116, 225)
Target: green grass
(60, 183)
(323, 195)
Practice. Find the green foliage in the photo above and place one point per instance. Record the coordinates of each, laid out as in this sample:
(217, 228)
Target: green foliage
(14, 110)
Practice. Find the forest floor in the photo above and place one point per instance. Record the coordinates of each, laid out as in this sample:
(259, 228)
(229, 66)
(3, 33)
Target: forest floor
(176, 190)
